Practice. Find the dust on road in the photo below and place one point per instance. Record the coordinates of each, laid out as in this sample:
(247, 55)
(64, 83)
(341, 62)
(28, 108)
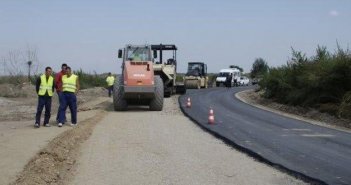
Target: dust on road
(143, 147)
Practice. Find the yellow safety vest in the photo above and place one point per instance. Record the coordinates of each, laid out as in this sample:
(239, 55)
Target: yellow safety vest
(45, 85)
(69, 83)
(110, 80)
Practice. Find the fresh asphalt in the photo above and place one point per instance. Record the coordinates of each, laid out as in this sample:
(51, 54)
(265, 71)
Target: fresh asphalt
(320, 154)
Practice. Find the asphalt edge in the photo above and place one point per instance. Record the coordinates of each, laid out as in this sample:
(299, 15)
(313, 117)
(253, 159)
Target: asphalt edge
(292, 116)
(251, 153)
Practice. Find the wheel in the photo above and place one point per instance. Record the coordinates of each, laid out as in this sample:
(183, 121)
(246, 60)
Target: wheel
(119, 103)
(156, 104)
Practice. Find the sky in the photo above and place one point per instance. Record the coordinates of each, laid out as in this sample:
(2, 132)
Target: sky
(87, 34)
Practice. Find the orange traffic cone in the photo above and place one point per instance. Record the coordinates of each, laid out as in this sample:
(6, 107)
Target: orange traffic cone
(211, 118)
(188, 103)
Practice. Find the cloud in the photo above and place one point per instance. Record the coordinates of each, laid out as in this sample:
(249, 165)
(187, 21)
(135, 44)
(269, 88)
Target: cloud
(334, 13)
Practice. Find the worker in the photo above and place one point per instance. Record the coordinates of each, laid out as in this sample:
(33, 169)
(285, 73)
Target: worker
(45, 88)
(136, 57)
(58, 86)
(110, 80)
(228, 81)
(70, 88)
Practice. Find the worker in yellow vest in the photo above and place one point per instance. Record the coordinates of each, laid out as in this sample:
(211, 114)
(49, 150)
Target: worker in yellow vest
(70, 88)
(110, 80)
(45, 89)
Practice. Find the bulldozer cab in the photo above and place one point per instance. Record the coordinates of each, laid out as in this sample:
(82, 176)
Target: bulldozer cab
(196, 69)
(158, 53)
(136, 53)
(165, 65)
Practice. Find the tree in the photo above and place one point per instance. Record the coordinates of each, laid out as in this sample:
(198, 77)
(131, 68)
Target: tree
(17, 62)
(259, 68)
(235, 66)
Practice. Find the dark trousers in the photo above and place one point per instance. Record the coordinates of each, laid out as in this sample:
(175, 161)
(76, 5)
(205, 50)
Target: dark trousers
(69, 100)
(110, 90)
(60, 97)
(43, 101)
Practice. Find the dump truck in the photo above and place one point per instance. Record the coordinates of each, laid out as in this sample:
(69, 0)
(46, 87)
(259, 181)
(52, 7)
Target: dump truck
(138, 84)
(167, 68)
(196, 76)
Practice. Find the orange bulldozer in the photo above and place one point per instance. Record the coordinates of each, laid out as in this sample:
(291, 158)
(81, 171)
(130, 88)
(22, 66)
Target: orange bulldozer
(137, 85)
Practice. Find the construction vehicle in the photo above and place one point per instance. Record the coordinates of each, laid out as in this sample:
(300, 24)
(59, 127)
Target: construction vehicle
(196, 76)
(138, 85)
(167, 69)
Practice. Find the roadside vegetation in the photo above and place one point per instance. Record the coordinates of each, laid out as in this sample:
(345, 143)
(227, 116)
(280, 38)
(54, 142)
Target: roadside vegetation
(89, 80)
(322, 81)
(259, 68)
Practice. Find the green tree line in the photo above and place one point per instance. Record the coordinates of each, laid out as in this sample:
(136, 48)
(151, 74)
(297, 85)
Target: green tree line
(322, 81)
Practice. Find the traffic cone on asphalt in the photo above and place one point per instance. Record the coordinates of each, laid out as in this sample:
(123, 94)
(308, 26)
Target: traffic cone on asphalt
(188, 103)
(211, 118)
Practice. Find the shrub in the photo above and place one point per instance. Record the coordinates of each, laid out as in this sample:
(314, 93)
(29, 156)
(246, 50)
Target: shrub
(319, 81)
(87, 80)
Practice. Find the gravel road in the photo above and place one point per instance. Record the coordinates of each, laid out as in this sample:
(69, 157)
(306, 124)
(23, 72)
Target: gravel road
(143, 147)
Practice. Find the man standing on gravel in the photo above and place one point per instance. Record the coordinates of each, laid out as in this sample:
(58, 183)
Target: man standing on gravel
(110, 80)
(70, 87)
(45, 89)
(58, 85)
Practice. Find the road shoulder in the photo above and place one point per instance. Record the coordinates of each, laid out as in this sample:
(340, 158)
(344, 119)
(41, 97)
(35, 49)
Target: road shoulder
(242, 96)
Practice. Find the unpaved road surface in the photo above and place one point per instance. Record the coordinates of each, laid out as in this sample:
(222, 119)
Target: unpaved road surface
(19, 141)
(143, 147)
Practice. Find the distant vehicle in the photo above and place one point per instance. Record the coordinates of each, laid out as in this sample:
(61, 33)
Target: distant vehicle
(225, 73)
(196, 77)
(244, 81)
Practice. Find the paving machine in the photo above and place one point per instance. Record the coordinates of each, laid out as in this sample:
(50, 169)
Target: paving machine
(138, 85)
(196, 76)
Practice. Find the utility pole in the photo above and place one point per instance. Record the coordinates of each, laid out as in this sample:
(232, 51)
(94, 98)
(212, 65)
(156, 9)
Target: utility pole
(29, 65)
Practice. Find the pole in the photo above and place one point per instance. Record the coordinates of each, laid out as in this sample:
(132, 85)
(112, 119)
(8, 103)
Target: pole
(29, 65)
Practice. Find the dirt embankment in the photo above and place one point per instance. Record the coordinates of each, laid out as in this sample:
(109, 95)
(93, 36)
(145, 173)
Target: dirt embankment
(306, 114)
(53, 164)
(19, 141)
